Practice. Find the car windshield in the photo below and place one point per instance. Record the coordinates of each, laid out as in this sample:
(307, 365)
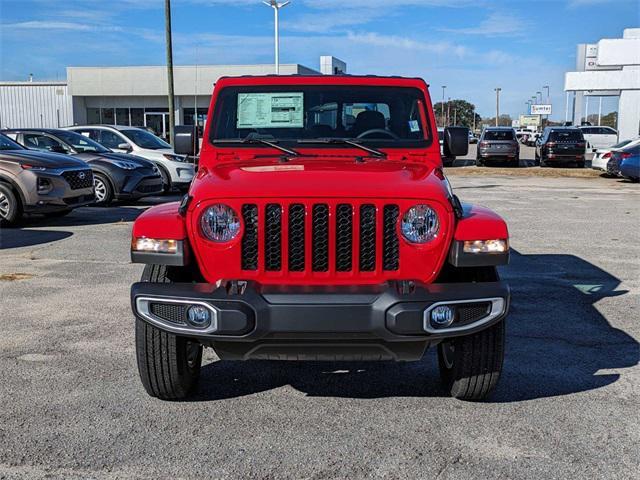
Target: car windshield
(566, 136)
(144, 139)
(80, 142)
(375, 116)
(497, 135)
(7, 144)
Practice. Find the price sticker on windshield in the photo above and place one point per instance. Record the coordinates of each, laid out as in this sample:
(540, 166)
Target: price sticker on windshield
(271, 110)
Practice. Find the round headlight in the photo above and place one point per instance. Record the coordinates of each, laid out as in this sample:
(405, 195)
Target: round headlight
(220, 223)
(420, 224)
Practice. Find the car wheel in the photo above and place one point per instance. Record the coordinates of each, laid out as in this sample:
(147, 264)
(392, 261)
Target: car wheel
(166, 180)
(169, 365)
(470, 366)
(10, 207)
(104, 192)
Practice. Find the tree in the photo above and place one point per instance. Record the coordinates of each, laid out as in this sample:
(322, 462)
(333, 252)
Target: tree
(459, 111)
(504, 121)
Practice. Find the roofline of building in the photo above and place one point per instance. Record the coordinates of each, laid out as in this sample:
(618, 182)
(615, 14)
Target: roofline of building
(18, 83)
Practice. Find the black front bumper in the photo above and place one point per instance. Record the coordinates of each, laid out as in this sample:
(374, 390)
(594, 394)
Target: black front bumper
(382, 322)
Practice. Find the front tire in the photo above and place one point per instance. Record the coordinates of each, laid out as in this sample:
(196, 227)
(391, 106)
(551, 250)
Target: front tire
(103, 189)
(169, 365)
(10, 207)
(470, 366)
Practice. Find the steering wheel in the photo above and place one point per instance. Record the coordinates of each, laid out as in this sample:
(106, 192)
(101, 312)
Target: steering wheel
(378, 130)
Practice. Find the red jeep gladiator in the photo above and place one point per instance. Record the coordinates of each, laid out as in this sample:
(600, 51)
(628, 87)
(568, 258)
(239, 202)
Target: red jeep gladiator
(320, 226)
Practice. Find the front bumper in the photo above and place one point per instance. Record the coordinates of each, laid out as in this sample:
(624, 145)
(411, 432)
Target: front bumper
(60, 196)
(382, 322)
(138, 184)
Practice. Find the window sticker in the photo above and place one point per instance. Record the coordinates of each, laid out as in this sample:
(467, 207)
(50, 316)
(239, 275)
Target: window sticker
(271, 110)
(414, 126)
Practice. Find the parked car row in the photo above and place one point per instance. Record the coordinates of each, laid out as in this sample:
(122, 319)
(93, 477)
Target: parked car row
(52, 171)
(621, 160)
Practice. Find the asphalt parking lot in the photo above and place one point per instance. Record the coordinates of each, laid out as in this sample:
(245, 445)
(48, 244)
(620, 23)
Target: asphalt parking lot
(566, 407)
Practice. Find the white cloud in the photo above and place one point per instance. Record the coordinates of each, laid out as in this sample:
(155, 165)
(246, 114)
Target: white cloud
(496, 24)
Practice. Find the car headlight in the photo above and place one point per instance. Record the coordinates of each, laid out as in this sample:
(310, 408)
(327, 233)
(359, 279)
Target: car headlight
(420, 224)
(174, 158)
(126, 165)
(220, 223)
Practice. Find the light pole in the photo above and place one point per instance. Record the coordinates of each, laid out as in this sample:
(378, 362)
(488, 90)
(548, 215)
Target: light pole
(497, 90)
(448, 111)
(546, 87)
(172, 111)
(442, 105)
(539, 93)
(528, 104)
(276, 11)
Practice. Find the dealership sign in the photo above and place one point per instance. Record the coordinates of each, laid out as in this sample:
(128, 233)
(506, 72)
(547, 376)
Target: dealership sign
(540, 109)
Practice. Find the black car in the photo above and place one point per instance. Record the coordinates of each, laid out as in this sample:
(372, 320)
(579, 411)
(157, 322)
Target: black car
(117, 176)
(560, 145)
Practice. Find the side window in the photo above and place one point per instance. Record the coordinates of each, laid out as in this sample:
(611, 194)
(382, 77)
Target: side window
(110, 139)
(43, 143)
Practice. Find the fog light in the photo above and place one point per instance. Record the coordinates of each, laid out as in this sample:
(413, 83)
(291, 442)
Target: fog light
(442, 316)
(199, 316)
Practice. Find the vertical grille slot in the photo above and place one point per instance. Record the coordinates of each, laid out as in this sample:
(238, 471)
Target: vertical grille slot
(367, 238)
(391, 246)
(296, 237)
(320, 241)
(344, 237)
(250, 238)
(273, 237)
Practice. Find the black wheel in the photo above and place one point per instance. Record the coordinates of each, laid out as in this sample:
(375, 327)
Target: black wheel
(166, 179)
(470, 366)
(10, 206)
(169, 365)
(543, 162)
(103, 189)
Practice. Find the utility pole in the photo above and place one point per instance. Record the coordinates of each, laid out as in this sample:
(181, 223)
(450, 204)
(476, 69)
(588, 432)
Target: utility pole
(498, 90)
(172, 111)
(455, 115)
(276, 12)
(442, 106)
(448, 111)
(473, 114)
(600, 111)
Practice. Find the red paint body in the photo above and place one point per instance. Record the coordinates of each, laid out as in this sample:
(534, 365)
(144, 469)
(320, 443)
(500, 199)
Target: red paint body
(239, 175)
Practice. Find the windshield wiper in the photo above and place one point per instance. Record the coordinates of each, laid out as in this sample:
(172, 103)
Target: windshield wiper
(253, 138)
(347, 141)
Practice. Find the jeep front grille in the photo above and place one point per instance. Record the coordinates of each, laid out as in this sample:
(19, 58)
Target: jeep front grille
(319, 237)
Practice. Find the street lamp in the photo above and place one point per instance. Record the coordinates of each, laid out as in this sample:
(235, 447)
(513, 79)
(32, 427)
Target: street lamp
(539, 93)
(548, 94)
(497, 90)
(276, 11)
(442, 105)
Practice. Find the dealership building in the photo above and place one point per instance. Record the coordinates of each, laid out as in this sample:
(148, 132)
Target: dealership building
(134, 96)
(610, 67)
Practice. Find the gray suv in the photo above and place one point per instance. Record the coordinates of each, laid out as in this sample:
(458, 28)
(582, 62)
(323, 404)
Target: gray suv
(498, 143)
(37, 182)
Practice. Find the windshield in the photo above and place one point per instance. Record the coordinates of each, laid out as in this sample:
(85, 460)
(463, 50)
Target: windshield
(144, 139)
(7, 144)
(81, 143)
(376, 116)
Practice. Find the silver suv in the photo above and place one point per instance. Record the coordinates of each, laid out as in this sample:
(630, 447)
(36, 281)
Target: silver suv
(498, 143)
(177, 172)
(38, 182)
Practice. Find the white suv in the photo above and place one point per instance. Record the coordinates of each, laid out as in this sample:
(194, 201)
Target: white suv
(599, 137)
(176, 172)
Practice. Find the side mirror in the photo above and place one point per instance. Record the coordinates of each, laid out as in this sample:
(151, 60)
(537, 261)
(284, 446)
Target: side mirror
(186, 141)
(456, 141)
(124, 146)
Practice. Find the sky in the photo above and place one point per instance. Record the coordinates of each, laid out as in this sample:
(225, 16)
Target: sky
(471, 46)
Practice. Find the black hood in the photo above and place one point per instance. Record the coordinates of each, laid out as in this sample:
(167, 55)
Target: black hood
(43, 159)
(124, 157)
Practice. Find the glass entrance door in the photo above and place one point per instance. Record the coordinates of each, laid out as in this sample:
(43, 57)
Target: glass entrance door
(158, 122)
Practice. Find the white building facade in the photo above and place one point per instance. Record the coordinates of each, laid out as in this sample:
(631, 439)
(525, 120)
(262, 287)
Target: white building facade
(609, 68)
(135, 96)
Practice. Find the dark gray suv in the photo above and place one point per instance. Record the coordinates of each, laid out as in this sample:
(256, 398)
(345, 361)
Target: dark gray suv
(37, 182)
(498, 143)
